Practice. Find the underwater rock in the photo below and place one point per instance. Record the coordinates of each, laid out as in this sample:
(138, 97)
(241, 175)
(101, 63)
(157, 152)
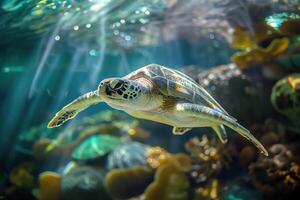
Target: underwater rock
(171, 181)
(127, 183)
(49, 186)
(83, 183)
(128, 155)
(285, 97)
(95, 147)
(229, 85)
(279, 174)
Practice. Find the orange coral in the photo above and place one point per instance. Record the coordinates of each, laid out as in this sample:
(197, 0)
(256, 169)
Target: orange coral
(49, 183)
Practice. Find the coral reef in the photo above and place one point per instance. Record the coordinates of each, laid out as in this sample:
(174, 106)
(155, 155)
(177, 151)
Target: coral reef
(279, 174)
(209, 157)
(156, 156)
(171, 180)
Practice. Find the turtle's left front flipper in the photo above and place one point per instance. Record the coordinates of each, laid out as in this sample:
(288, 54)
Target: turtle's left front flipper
(75, 107)
(218, 118)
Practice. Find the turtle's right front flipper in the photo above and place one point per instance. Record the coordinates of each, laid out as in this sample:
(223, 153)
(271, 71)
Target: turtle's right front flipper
(75, 107)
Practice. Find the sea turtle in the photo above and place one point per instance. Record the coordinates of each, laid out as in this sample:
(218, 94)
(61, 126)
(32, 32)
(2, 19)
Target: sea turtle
(160, 94)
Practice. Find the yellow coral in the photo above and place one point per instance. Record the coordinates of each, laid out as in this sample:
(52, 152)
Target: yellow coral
(171, 180)
(259, 54)
(244, 39)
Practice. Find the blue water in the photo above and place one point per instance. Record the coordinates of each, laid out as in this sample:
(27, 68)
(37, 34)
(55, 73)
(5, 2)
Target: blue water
(51, 52)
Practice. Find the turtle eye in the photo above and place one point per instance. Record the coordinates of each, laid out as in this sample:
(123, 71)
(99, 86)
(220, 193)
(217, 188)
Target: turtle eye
(116, 84)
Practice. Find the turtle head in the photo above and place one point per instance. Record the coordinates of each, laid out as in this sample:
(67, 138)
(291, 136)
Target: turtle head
(121, 93)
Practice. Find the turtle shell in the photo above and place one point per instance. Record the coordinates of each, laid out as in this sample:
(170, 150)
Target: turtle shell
(176, 84)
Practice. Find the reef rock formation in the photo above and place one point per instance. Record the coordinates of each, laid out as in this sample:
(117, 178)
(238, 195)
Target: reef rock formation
(278, 175)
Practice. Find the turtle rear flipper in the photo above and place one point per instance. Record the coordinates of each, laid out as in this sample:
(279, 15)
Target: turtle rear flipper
(75, 107)
(219, 118)
(221, 133)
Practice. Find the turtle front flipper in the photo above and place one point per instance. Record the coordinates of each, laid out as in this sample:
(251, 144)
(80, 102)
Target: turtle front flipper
(75, 107)
(221, 133)
(218, 118)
